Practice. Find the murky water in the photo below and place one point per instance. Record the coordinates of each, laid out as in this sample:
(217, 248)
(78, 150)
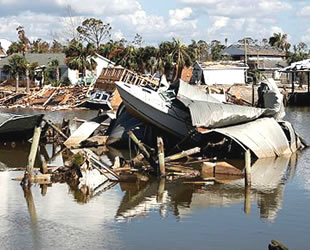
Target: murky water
(161, 215)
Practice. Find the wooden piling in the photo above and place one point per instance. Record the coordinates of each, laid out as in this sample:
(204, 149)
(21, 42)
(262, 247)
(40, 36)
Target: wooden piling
(33, 150)
(160, 190)
(247, 200)
(161, 156)
(247, 159)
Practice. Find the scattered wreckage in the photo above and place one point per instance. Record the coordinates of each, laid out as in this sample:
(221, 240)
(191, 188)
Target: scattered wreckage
(198, 118)
(174, 129)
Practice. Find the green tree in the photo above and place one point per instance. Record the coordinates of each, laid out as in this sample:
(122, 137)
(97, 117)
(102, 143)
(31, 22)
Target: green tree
(216, 50)
(54, 65)
(17, 66)
(80, 58)
(39, 46)
(15, 47)
(279, 40)
(56, 47)
(300, 52)
(94, 31)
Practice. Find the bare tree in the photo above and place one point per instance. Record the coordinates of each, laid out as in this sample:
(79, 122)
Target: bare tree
(94, 31)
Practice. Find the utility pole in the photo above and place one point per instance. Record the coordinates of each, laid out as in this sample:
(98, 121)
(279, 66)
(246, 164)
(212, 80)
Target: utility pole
(245, 59)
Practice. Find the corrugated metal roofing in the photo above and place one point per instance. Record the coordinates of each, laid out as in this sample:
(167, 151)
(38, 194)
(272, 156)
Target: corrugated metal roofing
(191, 92)
(41, 59)
(238, 50)
(298, 66)
(264, 137)
(211, 115)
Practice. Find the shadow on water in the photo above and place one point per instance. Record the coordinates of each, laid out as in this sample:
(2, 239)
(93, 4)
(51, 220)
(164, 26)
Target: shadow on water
(33, 216)
(179, 198)
(268, 181)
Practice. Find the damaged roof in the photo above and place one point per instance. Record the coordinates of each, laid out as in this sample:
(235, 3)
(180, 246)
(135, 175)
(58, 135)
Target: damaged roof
(238, 50)
(264, 137)
(298, 66)
(222, 65)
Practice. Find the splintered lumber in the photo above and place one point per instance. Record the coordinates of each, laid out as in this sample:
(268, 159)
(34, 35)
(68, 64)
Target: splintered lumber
(104, 167)
(219, 168)
(38, 179)
(50, 98)
(142, 148)
(161, 156)
(182, 154)
(55, 128)
(33, 149)
(84, 131)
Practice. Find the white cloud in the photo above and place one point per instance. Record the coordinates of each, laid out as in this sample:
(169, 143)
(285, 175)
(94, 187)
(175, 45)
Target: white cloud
(178, 16)
(305, 12)
(219, 22)
(237, 8)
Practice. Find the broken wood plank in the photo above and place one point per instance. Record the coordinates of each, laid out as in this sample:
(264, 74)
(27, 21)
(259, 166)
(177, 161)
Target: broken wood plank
(182, 154)
(55, 128)
(144, 151)
(84, 131)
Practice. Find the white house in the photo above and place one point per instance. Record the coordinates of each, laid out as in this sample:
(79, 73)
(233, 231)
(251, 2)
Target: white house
(223, 72)
(73, 75)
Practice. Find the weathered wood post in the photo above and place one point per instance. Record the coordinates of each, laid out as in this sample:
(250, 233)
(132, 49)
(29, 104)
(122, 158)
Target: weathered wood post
(247, 158)
(247, 200)
(160, 190)
(34, 149)
(161, 156)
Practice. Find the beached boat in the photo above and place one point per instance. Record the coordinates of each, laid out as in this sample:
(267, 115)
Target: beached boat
(156, 108)
(99, 100)
(18, 127)
(184, 107)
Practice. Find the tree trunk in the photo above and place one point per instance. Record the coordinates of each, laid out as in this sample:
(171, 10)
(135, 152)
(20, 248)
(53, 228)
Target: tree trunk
(17, 83)
(57, 74)
(28, 81)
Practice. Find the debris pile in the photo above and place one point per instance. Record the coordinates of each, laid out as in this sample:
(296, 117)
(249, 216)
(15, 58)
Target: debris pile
(46, 98)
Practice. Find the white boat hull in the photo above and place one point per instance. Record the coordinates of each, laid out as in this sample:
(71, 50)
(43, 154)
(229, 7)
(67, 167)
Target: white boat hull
(147, 105)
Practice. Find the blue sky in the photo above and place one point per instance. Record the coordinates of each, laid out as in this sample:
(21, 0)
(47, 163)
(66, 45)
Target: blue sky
(160, 20)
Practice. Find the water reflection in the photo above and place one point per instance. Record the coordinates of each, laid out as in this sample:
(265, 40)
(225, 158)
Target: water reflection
(268, 181)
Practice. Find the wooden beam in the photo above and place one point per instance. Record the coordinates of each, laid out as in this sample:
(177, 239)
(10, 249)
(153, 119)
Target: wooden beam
(33, 149)
(182, 154)
(161, 156)
(247, 172)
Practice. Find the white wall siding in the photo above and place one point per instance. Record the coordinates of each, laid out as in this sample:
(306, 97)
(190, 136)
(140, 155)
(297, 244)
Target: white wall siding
(223, 76)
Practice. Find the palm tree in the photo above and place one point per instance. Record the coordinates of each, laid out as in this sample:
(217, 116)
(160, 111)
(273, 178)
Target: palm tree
(128, 58)
(15, 47)
(17, 66)
(180, 57)
(279, 40)
(80, 58)
(54, 64)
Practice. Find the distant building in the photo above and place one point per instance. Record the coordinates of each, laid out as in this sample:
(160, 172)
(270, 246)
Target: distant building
(269, 60)
(4, 46)
(44, 59)
(223, 72)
